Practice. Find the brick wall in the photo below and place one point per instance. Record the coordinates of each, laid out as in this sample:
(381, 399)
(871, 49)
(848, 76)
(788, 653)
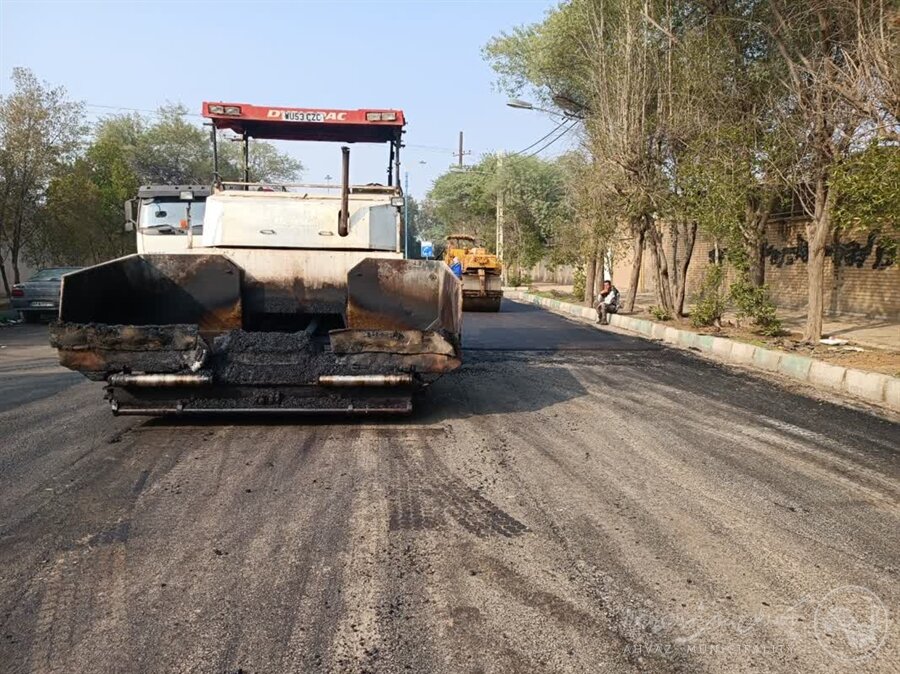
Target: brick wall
(544, 272)
(860, 277)
(865, 281)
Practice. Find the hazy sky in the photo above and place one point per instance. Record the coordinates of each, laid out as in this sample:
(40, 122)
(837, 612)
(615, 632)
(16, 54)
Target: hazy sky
(423, 57)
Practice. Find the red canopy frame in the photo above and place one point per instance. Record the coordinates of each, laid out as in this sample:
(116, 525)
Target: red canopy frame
(372, 125)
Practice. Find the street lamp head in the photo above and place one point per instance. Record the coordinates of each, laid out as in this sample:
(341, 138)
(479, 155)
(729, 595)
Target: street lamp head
(520, 104)
(570, 106)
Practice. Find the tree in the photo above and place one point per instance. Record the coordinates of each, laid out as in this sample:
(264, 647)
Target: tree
(589, 235)
(72, 225)
(465, 202)
(533, 192)
(77, 211)
(868, 193)
(816, 40)
(534, 207)
(172, 150)
(267, 163)
(40, 130)
(616, 61)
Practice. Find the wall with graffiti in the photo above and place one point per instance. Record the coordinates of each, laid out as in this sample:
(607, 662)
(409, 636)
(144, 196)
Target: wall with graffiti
(862, 275)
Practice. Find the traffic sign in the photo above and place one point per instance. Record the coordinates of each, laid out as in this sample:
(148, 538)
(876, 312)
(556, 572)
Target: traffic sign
(427, 250)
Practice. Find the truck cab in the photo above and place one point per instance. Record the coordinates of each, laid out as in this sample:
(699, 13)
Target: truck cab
(167, 218)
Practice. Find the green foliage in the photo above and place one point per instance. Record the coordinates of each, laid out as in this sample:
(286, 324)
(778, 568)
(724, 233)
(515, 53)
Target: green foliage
(868, 193)
(41, 131)
(170, 149)
(579, 279)
(711, 300)
(519, 278)
(78, 225)
(660, 313)
(754, 302)
(534, 205)
(80, 220)
(465, 202)
(547, 57)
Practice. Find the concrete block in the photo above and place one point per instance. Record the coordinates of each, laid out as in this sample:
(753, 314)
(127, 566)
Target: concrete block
(658, 331)
(827, 375)
(796, 367)
(722, 347)
(622, 322)
(742, 353)
(686, 338)
(704, 342)
(670, 335)
(892, 393)
(766, 359)
(868, 385)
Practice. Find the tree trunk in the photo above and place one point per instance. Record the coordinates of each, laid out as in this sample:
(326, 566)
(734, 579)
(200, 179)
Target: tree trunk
(753, 235)
(6, 287)
(816, 281)
(688, 234)
(637, 254)
(661, 265)
(817, 232)
(758, 264)
(600, 276)
(590, 272)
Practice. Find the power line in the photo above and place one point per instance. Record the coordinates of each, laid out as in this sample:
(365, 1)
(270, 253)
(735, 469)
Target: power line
(433, 148)
(539, 140)
(564, 132)
(127, 109)
(572, 124)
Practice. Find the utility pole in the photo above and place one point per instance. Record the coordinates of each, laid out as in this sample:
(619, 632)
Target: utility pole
(461, 153)
(499, 235)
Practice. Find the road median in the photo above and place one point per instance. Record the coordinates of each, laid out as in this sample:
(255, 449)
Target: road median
(872, 387)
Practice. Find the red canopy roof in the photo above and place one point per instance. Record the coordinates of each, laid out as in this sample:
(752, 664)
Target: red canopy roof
(371, 125)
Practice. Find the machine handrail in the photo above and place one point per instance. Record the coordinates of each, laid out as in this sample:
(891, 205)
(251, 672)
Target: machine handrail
(354, 189)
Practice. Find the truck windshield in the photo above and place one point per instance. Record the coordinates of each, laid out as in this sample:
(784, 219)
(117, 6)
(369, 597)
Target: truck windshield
(169, 216)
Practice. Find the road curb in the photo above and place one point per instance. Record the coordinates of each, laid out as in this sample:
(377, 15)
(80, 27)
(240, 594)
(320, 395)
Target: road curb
(873, 387)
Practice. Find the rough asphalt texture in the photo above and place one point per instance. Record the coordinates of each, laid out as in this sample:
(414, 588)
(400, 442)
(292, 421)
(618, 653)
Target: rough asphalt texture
(572, 501)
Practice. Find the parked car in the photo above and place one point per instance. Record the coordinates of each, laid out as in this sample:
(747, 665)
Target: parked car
(38, 297)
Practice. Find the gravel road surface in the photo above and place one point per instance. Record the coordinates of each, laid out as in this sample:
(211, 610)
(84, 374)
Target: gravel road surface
(573, 500)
